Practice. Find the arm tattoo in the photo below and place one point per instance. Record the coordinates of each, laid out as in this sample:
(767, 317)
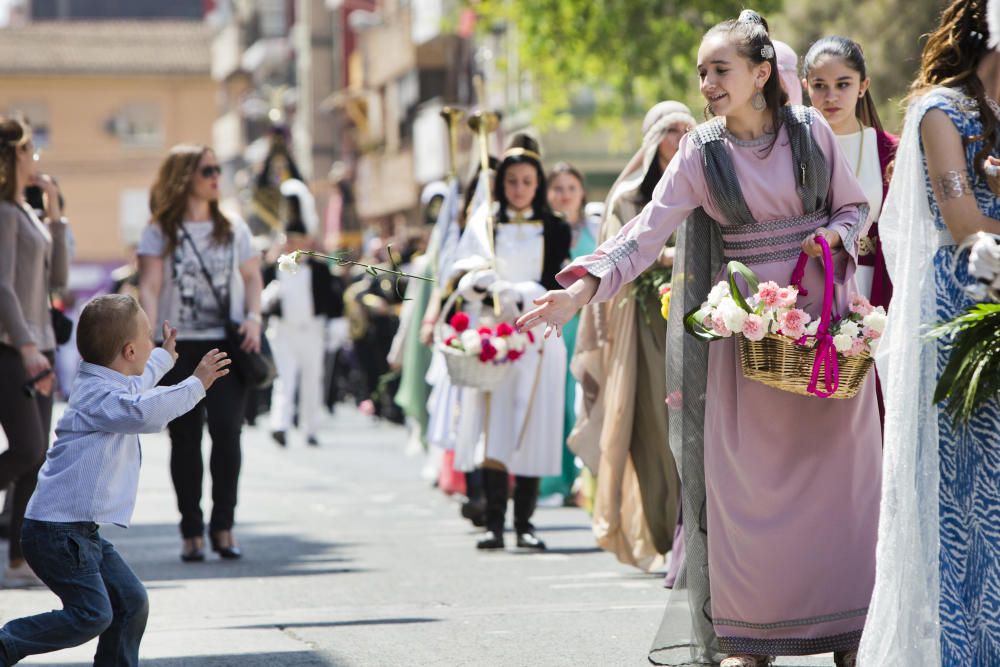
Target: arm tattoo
(952, 185)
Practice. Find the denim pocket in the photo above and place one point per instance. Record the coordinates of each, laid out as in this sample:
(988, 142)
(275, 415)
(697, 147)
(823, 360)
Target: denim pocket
(80, 552)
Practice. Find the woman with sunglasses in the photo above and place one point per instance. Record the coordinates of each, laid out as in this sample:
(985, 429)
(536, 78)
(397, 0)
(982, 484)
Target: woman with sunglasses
(33, 260)
(189, 240)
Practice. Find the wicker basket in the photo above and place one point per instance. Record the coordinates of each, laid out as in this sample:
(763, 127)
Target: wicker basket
(778, 362)
(467, 370)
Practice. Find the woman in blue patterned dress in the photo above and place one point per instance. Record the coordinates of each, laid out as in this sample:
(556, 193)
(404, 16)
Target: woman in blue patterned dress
(937, 594)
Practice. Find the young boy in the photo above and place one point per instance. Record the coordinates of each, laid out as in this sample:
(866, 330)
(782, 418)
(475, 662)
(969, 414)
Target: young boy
(91, 476)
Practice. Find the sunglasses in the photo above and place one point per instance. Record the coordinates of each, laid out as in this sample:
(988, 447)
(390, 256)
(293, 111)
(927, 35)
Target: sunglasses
(210, 171)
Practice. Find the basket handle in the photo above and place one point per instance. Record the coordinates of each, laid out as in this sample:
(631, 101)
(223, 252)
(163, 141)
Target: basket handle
(825, 362)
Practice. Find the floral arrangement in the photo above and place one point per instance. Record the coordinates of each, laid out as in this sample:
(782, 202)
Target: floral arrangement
(771, 310)
(971, 377)
(665, 301)
(497, 345)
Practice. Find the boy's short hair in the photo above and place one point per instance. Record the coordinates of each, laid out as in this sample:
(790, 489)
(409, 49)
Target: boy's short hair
(105, 325)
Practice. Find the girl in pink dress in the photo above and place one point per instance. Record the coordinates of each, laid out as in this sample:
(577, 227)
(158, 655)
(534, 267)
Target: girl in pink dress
(780, 491)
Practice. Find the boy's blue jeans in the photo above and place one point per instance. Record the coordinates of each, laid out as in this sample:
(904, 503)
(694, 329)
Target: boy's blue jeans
(101, 596)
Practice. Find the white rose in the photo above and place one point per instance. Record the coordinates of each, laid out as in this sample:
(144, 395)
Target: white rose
(289, 263)
(718, 292)
(843, 343)
(875, 321)
(812, 328)
(501, 347)
(732, 314)
(850, 328)
(471, 341)
(517, 342)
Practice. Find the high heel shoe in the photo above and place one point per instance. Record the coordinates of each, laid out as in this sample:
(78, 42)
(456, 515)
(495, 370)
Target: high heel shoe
(193, 550)
(227, 551)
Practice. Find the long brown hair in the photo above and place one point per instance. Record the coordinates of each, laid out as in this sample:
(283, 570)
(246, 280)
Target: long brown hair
(749, 34)
(14, 133)
(168, 199)
(568, 169)
(950, 58)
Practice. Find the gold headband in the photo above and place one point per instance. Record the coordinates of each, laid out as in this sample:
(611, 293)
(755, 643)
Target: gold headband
(522, 152)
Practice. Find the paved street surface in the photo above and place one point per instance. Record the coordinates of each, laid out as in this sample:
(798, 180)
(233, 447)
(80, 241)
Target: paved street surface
(352, 560)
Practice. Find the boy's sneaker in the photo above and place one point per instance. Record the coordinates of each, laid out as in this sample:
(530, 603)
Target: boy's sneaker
(21, 576)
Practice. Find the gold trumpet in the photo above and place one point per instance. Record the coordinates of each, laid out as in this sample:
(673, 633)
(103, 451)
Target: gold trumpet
(484, 123)
(453, 117)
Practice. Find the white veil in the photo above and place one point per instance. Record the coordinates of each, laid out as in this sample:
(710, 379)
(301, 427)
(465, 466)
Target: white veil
(903, 627)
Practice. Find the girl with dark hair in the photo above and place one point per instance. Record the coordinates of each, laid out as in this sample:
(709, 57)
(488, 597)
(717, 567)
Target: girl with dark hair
(780, 491)
(836, 76)
(34, 259)
(198, 270)
(941, 493)
(517, 428)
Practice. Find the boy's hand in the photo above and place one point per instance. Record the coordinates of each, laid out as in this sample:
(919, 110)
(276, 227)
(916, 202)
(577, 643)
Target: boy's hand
(169, 340)
(212, 367)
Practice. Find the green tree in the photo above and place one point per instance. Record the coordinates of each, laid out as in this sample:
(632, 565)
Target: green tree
(624, 55)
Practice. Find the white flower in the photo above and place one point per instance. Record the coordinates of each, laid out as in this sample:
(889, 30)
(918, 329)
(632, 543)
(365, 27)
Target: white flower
(843, 343)
(471, 342)
(984, 258)
(849, 328)
(718, 292)
(501, 347)
(875, 320)
(517, 342)
(732, 314)
(289, 263)
(812, 328)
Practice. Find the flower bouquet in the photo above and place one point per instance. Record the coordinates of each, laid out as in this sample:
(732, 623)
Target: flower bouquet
(783, 346)
(971, 377)
(480, 357)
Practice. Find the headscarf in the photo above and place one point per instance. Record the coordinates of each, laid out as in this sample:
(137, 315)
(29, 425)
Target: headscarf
(788, 70)
(309, 218)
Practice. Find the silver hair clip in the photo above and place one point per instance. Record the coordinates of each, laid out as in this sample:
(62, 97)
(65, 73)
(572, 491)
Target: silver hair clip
(767, 52)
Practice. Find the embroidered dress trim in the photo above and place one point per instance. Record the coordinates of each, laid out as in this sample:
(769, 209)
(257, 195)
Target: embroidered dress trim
(774, 225)
(839, 616)
(851, 242)
(847, 641)
(767, 257)
(794, 237)
(603, 266)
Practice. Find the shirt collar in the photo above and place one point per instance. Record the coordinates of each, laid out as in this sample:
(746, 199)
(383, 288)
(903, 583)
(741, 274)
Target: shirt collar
(515, 216)
(104, 373)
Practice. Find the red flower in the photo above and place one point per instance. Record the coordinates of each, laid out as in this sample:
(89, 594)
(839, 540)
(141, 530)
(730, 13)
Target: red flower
(504, 329)
(485, 331)
(488, 352)
(514, 355)
(449, 340)
(459, 322)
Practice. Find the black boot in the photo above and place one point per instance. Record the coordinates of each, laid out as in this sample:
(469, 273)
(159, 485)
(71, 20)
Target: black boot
(474, 509)
(495, 486)
(525, 499)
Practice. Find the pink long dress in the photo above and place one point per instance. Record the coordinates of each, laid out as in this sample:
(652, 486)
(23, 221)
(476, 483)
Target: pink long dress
(792, 482)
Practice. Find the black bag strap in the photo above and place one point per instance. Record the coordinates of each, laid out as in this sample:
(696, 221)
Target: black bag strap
(224, 307)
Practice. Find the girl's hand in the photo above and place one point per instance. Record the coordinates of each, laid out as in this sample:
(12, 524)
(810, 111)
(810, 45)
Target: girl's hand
(814, 249)
(554, 308)
(992, 169)
(35, 364)
(169, 340)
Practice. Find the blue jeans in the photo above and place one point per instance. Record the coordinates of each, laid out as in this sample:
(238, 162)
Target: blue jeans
(101, 596)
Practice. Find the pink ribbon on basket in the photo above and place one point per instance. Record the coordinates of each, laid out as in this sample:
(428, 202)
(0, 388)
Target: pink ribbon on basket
(825, 362)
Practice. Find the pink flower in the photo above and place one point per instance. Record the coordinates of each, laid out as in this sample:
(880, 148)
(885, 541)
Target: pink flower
(719, 326)
(675, 400)
(664, 289)
(786, 297)
(767, 293)
(861, 305)
(504, 329)
(754, 327)
(793, 323)
(488, 353)
(857, 347)
(459, 322)
(871, 334)
(485, 331)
